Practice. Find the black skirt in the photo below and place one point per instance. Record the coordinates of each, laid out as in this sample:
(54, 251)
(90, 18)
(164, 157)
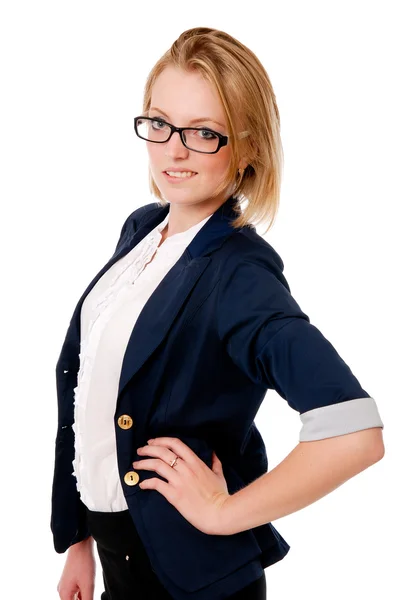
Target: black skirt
(127, 571)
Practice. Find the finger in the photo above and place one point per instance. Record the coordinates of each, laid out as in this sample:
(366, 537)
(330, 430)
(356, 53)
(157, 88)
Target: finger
(178, 447)
(158, 451)
(68, 593)
(159, 466)
(86, 592)
(160, 486)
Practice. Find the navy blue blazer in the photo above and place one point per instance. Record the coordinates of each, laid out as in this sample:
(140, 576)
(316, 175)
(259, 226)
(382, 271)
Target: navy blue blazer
(220, 330)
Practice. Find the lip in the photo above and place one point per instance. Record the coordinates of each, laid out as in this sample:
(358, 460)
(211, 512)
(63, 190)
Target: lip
(177, 180)
(175, 170)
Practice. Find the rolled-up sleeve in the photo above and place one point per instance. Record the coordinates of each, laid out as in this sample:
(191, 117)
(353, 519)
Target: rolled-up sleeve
(272, 340)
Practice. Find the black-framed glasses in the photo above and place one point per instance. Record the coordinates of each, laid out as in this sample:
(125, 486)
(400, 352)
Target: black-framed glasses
(199, 139)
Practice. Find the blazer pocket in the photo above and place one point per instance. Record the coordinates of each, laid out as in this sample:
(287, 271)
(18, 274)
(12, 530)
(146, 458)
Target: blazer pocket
(190, 558)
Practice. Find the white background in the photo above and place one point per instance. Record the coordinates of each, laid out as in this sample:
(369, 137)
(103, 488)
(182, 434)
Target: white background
(72, 77)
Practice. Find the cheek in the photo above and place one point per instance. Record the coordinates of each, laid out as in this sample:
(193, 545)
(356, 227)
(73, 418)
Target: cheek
(223, 163)
(213, 165)
(157, 161)
(219, 165)
(155, 153)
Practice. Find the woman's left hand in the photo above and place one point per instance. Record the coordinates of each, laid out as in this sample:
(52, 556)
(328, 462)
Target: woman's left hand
(197, 492)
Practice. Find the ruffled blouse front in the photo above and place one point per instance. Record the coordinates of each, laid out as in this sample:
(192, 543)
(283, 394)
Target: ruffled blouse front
(108, 315)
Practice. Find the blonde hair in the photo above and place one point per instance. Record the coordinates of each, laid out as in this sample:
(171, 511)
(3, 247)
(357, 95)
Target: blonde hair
(250, 108)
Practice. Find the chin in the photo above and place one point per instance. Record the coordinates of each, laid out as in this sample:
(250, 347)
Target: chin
(181, 197)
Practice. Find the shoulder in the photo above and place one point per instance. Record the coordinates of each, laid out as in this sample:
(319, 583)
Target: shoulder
(254, 299)
(134, 220)
(140, 215)
(249, 253)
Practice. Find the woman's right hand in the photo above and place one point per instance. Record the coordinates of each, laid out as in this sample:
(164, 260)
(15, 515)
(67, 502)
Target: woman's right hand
(77, 580)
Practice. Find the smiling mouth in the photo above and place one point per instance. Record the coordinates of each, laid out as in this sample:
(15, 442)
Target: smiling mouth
(178, 175)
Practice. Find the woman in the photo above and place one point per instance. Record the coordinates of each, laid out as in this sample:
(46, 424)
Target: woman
(173, 346)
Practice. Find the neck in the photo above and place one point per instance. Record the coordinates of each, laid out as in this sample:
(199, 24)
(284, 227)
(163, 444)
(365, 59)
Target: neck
(183, 217)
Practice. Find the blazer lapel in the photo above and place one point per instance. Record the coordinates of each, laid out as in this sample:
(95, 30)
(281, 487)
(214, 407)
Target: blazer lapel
(162, 307)
(159, 312)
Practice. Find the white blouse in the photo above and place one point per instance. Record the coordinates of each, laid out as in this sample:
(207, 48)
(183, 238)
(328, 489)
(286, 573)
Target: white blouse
(108, 315)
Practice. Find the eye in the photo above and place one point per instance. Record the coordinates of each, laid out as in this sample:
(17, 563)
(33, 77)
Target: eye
(210, 135)
(157, 124)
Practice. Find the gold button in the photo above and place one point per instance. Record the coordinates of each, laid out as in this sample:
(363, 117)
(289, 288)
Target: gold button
(125, 421)
(131, 478)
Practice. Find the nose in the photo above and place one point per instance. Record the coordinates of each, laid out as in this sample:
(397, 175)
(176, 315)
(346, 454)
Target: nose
(175, 147)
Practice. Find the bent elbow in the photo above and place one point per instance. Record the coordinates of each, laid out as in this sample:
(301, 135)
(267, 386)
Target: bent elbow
(377, 449)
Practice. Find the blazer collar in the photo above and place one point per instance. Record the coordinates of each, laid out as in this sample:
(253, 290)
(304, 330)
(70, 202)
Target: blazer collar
(208, 239)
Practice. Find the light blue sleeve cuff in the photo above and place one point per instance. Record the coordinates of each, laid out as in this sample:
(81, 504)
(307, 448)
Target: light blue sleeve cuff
(339, 419)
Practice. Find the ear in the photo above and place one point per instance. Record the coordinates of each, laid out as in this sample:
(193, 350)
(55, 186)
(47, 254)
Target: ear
(243, 163)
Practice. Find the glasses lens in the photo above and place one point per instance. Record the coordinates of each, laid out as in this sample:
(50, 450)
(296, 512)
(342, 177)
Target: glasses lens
(201, 140)
(153, 130)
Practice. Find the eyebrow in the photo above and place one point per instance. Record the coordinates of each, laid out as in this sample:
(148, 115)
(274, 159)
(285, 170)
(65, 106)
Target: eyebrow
(198, 120)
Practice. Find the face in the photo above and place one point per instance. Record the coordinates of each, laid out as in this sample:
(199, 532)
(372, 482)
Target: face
(179, 97)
